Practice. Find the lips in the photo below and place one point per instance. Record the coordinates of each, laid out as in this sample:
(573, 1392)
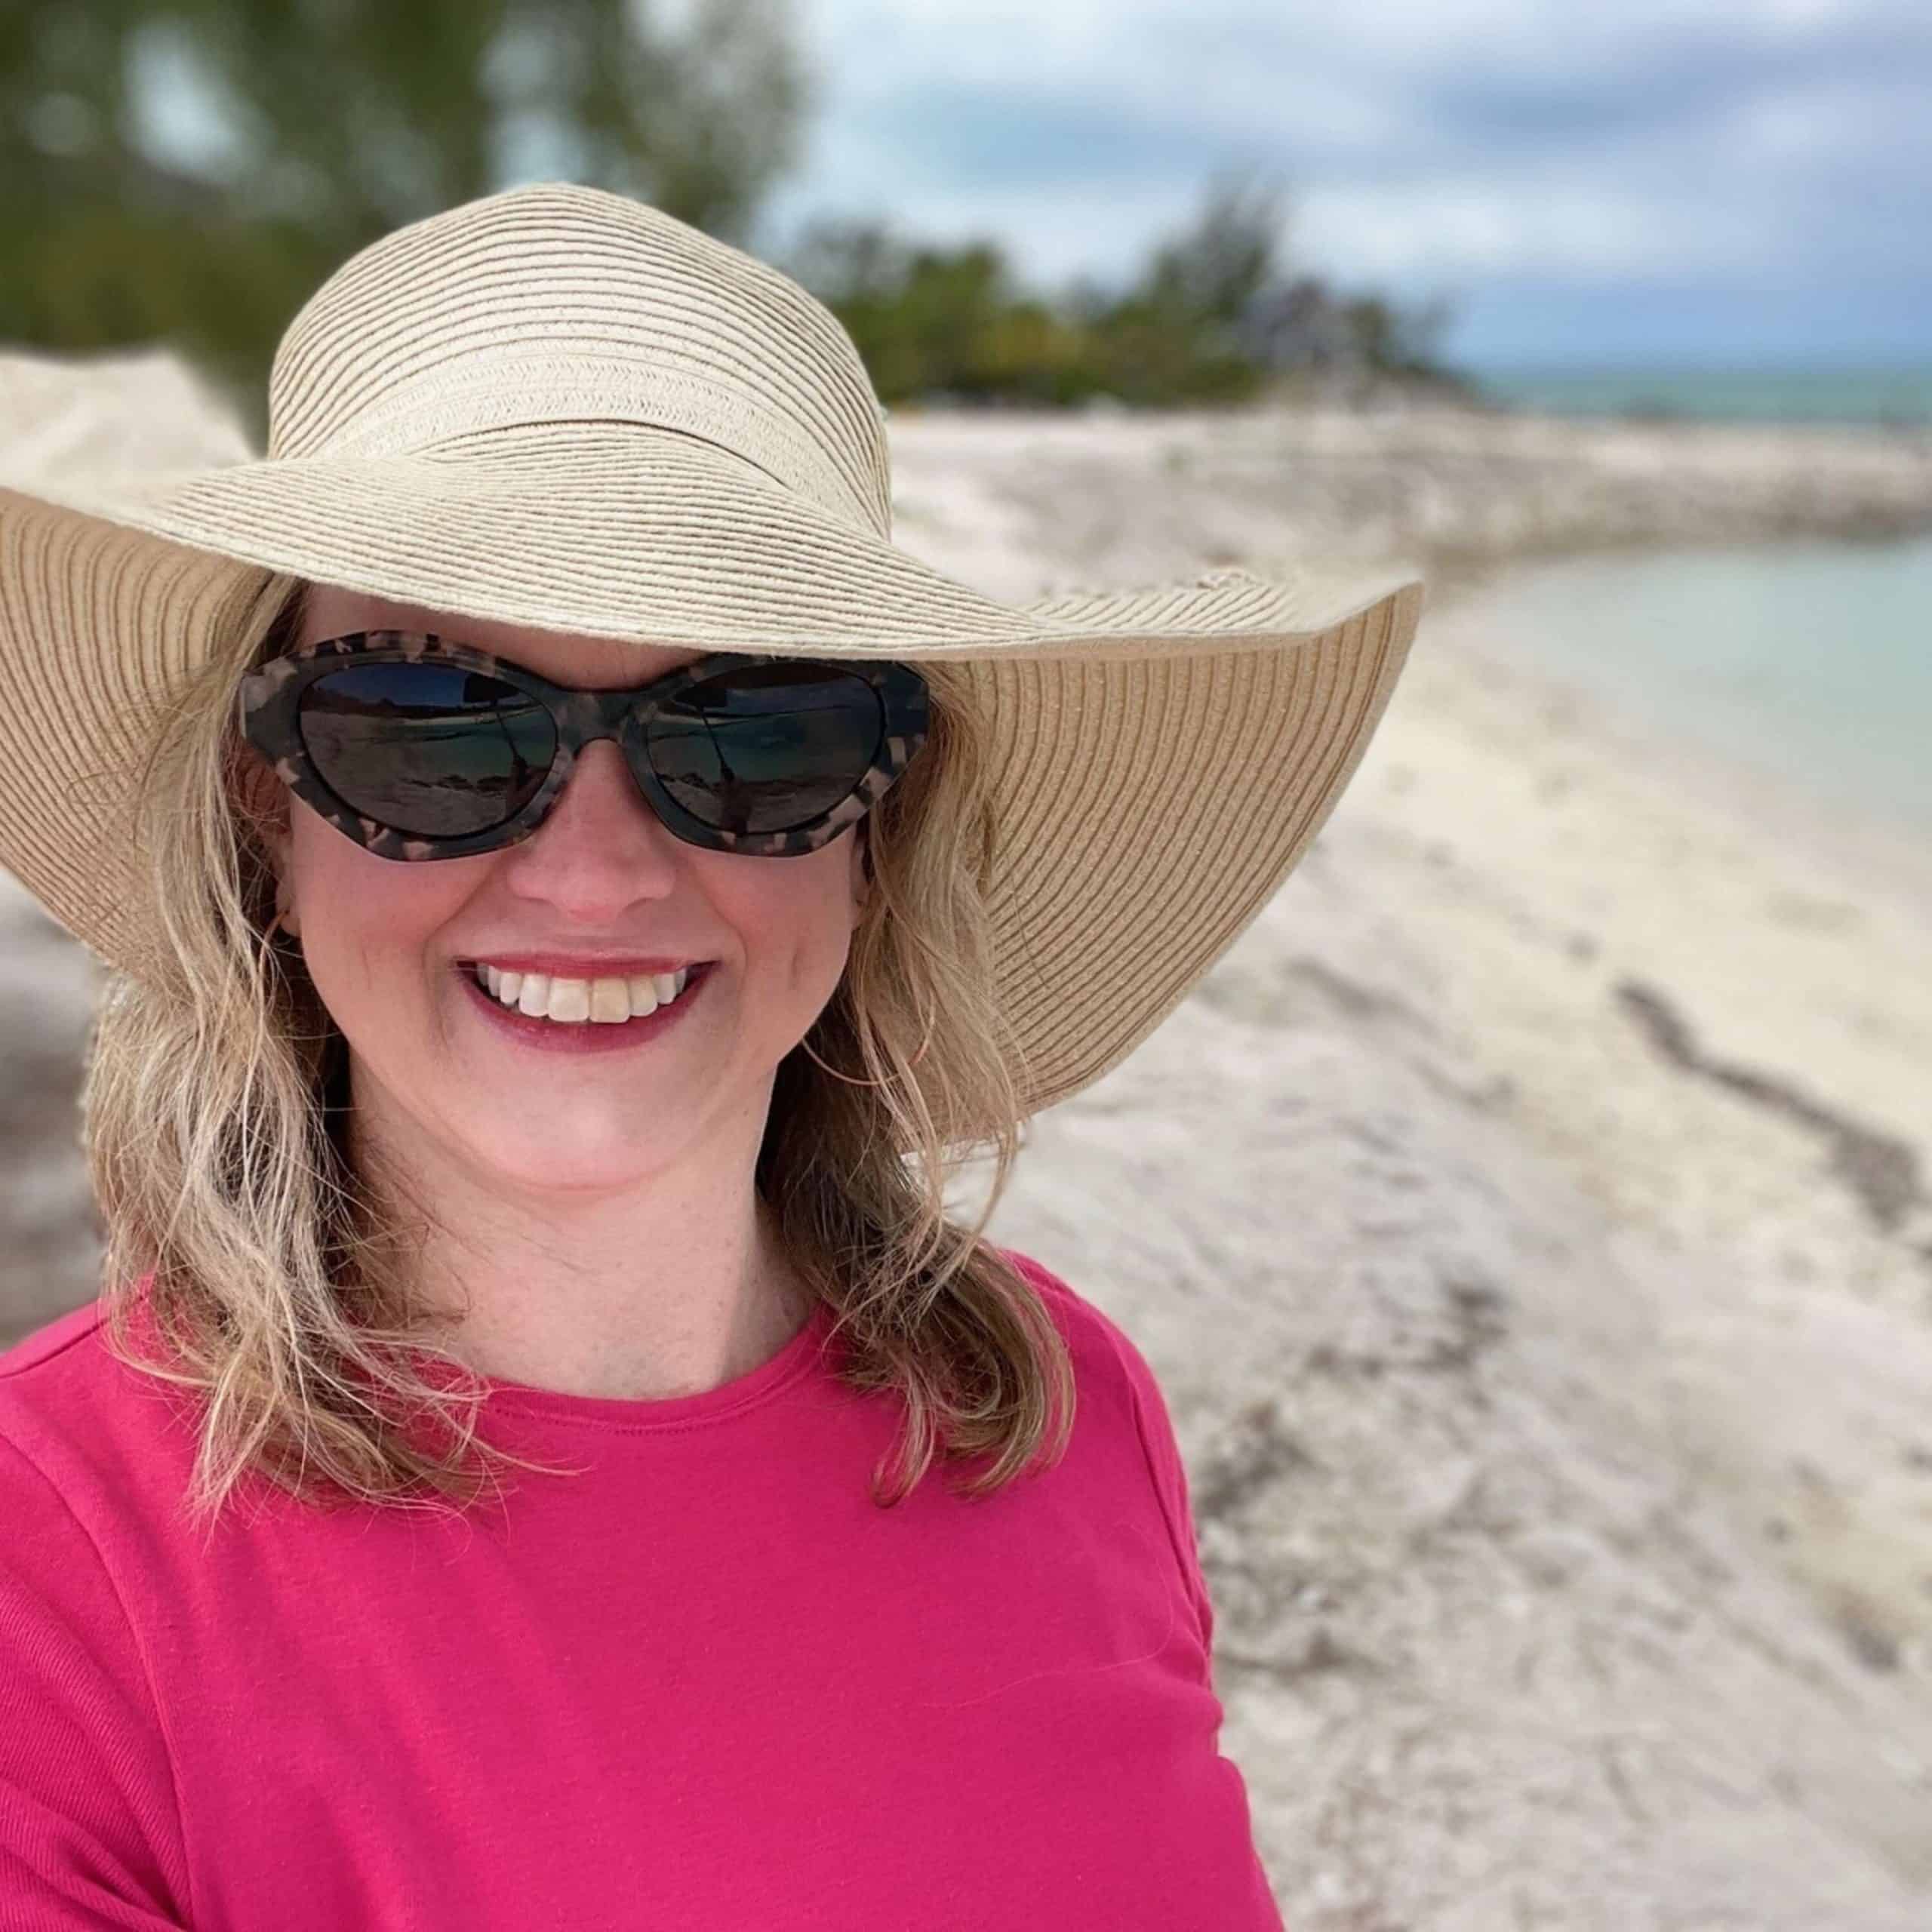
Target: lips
(589, 1036)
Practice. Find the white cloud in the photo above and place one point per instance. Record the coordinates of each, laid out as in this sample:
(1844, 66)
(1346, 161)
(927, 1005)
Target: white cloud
(1461, 230)
(1812, 120)
(1423, 143)
(1111, 38)
(1419, 138)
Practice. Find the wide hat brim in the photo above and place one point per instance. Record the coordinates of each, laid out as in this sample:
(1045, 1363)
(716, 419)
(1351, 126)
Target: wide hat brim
(1161, 757)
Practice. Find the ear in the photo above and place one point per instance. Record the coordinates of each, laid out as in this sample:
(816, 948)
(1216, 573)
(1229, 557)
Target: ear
(265, 798)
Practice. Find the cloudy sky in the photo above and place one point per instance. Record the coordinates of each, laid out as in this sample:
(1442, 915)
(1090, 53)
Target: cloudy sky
(1726, 183)
(1712, 181)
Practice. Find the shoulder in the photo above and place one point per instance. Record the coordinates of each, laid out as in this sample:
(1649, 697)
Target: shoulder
(44, 1454)
(1110, 1372)
(51, 1340)
(84, 1760)
(48, 1377)
(1099, 1344)
(84, 1424)
(1108, 1366)
(69, 1364)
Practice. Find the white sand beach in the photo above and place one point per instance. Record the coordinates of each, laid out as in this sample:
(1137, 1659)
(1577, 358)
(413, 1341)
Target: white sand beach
(1528, 1217)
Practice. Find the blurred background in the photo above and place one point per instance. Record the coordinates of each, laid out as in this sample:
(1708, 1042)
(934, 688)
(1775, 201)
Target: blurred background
(1529, 1217)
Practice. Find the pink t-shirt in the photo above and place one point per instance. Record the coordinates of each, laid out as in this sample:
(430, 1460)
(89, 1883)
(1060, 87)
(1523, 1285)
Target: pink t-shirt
(708, 1684)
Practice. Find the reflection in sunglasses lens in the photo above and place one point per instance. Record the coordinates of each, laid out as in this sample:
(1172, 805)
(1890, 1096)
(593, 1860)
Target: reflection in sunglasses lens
(430, 750)
(765, 748)
(436, 751)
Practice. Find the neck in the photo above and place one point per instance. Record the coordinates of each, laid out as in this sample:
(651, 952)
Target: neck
(668, 1285)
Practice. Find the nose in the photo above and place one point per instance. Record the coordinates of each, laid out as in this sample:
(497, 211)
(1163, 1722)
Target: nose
(601, 848)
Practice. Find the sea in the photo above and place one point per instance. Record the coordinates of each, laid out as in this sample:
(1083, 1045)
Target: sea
(1897, 398)
(1808, 664)
(1802, 669)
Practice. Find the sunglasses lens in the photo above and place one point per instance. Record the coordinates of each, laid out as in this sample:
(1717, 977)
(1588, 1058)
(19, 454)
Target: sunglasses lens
(430, 750)
(763, 748)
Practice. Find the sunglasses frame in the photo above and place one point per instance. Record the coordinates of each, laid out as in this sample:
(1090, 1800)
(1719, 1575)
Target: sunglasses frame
(268, 705)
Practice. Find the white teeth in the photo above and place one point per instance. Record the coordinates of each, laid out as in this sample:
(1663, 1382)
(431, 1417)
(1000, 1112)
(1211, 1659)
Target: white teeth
(570, 999)
(601, 1001)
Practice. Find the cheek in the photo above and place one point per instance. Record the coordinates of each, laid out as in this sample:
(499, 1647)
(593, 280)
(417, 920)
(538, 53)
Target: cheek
(364, 918)
(793, 917)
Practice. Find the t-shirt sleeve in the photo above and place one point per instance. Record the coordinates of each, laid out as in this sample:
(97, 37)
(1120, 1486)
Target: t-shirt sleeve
(89, 1825)
(1157, 1439)
(1171, 1484)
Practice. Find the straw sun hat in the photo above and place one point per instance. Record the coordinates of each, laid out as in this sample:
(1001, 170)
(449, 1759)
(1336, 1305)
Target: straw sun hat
(560, 408)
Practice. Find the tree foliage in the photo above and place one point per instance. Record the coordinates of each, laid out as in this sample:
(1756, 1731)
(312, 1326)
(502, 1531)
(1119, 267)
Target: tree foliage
(1213, 315)
(338, 120)
(344, 119)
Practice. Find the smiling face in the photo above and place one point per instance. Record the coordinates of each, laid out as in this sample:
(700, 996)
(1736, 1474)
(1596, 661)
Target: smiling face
(388, 945)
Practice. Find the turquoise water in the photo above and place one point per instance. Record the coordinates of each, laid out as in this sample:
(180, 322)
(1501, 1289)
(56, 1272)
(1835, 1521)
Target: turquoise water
(1871, 396)
(1810, 663)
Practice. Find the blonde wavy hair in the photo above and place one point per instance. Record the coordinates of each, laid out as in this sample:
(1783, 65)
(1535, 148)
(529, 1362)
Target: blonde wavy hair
(215, 1099)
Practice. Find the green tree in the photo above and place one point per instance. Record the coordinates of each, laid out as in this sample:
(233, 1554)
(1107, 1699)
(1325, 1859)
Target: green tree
(1401, 341)
(1176, 333)
(345, 119)
(1212, 272)
(927, 319)
(1216, 316)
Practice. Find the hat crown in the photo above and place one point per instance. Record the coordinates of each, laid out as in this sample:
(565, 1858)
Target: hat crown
(556, 302)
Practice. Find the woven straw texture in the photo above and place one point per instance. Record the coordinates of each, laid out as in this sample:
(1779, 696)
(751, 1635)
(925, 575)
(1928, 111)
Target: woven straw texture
(560, 408)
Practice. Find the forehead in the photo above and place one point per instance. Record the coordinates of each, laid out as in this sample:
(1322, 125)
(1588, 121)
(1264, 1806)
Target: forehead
(564, 657)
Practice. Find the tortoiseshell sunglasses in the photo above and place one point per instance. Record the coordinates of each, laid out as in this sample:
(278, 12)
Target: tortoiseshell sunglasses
(416, 747)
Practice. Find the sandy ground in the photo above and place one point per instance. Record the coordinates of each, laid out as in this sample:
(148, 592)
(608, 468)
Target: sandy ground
(1527, 1216)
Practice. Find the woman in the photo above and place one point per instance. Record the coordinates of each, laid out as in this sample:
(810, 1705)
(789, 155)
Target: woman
(574, 891)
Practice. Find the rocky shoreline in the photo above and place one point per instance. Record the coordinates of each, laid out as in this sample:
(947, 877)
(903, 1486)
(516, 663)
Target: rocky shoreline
(1458, 491)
